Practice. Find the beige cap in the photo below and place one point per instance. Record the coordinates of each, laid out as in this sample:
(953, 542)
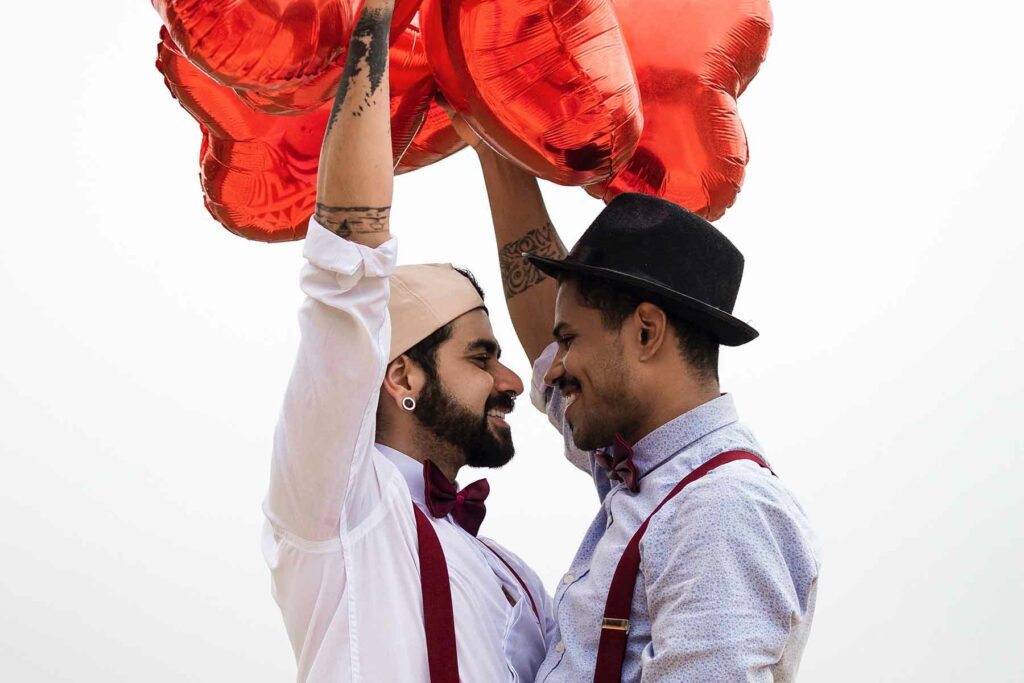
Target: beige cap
(425, 298)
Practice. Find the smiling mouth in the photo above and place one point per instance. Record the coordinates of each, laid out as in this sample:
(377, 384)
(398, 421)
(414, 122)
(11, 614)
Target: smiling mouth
(498, 416)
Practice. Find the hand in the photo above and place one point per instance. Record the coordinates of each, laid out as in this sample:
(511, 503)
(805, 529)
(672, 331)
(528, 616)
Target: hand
(468, 135)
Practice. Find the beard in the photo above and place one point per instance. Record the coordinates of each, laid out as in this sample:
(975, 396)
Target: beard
(468, 432)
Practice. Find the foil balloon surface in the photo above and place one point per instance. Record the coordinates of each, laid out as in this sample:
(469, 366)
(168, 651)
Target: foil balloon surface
(548, 83)
(281, 55)
(262, 44)
(435, 140)
(258, 170)
(692, 58)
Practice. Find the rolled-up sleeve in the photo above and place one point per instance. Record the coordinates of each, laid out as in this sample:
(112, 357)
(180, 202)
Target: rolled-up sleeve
(326, 427)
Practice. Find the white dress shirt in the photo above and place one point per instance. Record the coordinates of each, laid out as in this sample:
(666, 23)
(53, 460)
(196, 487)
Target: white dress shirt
(340, 538)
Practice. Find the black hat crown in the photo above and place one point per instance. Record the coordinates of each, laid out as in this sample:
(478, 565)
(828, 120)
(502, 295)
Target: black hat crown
(653, 246)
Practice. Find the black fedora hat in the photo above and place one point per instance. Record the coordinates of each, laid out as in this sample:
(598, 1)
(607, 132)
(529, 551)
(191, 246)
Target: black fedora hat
(652, 246)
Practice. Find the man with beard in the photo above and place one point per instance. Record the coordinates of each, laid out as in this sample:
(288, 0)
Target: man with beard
(372, 547)
(700, 565)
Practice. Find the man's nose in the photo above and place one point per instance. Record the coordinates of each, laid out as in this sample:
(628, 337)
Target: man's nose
(556, 371)
(507, 381)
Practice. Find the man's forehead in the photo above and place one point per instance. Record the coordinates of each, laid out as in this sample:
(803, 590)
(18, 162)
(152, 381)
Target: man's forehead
(567, 308)
(473, 329)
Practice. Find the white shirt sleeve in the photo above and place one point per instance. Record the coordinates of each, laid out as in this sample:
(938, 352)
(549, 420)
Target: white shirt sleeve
(325, 433)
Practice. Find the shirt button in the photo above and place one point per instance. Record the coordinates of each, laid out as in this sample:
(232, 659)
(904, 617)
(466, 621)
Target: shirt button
(568, 578)
(560, 648)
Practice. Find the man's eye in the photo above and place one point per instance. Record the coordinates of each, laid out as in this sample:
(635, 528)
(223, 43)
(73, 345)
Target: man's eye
(564, 342)
(482, 360)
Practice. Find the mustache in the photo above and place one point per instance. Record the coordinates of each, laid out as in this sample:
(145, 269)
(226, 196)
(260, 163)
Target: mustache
(566, 383)
(506, 402)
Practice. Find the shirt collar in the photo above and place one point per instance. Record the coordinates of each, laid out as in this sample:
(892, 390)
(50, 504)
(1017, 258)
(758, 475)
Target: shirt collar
(677, 434)
(410, 469)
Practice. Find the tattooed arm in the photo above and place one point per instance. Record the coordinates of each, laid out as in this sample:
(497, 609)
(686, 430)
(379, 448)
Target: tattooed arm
(355, 180)
(521, 224)
(323, 444)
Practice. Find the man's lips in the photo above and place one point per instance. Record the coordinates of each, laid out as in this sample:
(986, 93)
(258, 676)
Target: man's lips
(498, 409)
(497, 416)
(571, 395)
(570, 391)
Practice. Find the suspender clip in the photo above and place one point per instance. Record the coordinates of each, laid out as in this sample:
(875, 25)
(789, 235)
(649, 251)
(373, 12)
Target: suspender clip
(615, 624)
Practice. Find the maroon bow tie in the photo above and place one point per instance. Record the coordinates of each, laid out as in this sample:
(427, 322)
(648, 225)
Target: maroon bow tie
(465, 506)
(618, 462)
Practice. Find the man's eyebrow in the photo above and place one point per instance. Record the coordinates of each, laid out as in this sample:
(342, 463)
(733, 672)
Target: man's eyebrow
(488, 345)
(559, 330)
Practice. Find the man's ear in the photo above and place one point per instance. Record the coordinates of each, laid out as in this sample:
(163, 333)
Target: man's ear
(402, 378)
(651, 328)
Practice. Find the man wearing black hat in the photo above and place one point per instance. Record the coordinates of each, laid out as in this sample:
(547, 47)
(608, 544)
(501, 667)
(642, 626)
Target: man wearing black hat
(699, 565)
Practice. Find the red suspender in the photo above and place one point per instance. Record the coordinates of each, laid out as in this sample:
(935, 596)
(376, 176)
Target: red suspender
(522, 583)
(438, 616)
(611, 649)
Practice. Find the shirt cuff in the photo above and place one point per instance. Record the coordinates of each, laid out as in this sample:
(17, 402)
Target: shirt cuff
(330, 252)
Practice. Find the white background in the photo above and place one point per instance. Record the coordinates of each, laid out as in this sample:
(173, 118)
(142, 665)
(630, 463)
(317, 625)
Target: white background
(145, 349)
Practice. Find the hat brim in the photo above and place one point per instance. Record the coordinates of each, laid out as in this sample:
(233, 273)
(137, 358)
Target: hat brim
(727, 329)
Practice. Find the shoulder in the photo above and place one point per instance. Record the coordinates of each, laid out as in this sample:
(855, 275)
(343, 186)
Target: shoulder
(738, 513)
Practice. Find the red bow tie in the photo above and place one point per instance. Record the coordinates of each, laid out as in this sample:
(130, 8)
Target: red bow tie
(618, 461)
(465, 506)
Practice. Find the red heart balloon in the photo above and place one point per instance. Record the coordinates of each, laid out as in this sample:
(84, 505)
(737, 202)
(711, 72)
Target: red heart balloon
(435, 140)
(547, 83)
(412, 89)
(258, 171)
(259, 44)
(289, 53)
(693, 149)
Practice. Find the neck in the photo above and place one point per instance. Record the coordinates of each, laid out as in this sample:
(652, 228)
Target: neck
(421, 445)
(661, 411)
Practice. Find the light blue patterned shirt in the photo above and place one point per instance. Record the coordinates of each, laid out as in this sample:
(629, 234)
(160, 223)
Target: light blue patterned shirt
(728, 570)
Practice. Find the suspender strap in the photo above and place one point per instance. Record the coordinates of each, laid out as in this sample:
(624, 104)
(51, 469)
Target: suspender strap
(522, 583)
(611, 649)
(438, 616)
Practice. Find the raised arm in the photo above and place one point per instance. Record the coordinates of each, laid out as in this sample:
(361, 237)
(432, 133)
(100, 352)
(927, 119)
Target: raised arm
(521, 224)
(355, 179)
(324, 438)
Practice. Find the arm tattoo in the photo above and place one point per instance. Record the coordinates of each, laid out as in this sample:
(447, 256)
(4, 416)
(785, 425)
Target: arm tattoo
(346, 221)
(518, 274)
(367, 59)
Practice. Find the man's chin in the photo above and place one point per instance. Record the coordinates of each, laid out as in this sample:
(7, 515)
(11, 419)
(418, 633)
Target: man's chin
(585, 440)
(502, 433)
(494, 459)
(498, 453)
